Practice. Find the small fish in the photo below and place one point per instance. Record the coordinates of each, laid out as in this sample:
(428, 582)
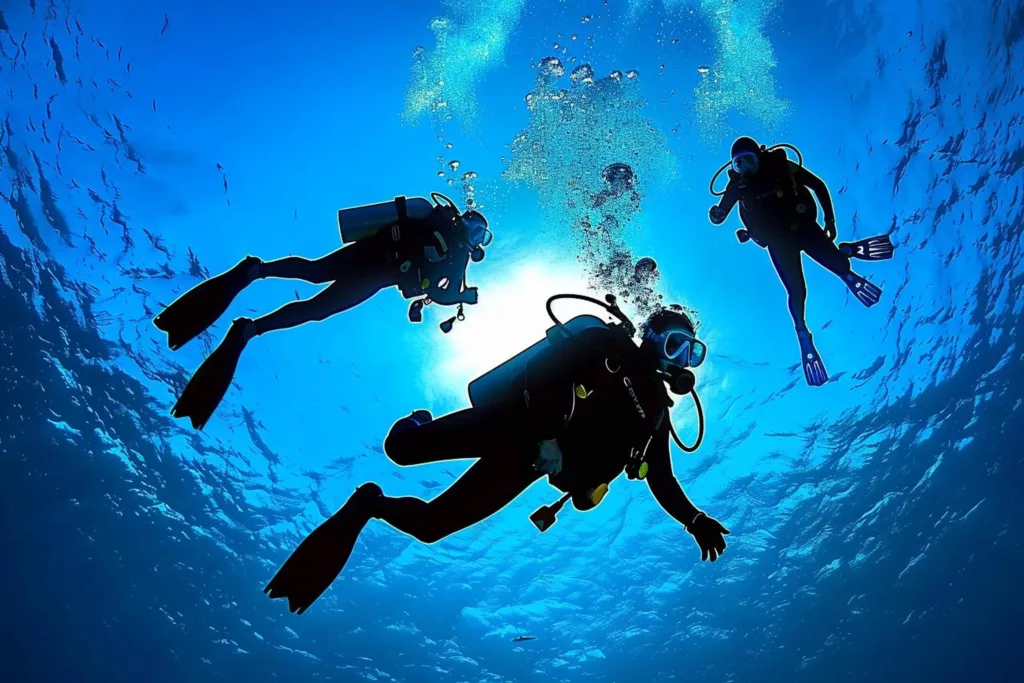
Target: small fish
(520, 639)
(119, 48)
(167, 22)
(129, 67)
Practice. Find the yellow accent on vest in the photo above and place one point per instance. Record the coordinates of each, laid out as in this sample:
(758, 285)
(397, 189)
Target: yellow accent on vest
(643, 470)
(425, 283)
(581, 391)
(598, 494)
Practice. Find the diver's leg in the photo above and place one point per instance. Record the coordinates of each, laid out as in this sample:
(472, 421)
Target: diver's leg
(485, 488)
(460, 435)
(787, 261)
(317, 271)
(823, 250)
(357, 275)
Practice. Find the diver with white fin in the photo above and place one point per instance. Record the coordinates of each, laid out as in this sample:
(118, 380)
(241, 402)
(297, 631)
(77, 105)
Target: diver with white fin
(581, 406)
(780, 215)
(421, 247)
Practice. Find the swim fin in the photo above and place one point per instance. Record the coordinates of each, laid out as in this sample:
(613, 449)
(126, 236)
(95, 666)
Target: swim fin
(867, 293)
(198, 308)
(877, 248)
(814, 369)
(316, 563)
(206, 389)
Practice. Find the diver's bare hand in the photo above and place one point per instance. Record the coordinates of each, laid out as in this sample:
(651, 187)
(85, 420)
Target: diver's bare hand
(549, 460)
(717, 215)
(710, 536)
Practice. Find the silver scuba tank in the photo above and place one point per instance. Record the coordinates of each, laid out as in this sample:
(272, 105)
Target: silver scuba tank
(496, 386)
(359, 222)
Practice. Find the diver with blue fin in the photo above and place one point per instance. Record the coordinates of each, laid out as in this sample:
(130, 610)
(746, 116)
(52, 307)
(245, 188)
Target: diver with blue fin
(422, 247)
(581, 406)
(780, 215)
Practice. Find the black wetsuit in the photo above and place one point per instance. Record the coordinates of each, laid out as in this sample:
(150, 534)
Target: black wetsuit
(624, 415)
(392, 257)
(778, 211)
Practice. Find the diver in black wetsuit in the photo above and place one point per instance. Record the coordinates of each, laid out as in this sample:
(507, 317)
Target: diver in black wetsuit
(779, 214)
(581, 410)
(422, 249)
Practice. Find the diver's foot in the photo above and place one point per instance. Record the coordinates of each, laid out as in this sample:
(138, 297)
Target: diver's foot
(252, 265)
(866, 292)
(878, 248)
(742, 236)
(814, 369)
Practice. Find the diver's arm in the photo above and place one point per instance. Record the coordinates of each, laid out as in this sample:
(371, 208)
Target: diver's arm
(721, 211)
(452, 269)
(663, 483)
(551, 377)
(817, 185)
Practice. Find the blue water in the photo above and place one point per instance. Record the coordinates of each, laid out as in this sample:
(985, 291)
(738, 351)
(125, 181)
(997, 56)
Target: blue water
(872, 518)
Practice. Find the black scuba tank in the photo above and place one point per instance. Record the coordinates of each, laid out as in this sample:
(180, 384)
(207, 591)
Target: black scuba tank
(359, 222)
(498, 385)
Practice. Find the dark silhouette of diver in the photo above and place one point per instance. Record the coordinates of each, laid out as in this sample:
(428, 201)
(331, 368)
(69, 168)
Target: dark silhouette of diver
(424, 249)
(581, 407)
(779, 214)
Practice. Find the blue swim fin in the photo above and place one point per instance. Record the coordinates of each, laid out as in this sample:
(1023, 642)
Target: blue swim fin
(867, 293)
(877, 248)
(814, 369)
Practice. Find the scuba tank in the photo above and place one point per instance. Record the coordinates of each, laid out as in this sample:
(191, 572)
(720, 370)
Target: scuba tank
(359, 222)
(497, 386)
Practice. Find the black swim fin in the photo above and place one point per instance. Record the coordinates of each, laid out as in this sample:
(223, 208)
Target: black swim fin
(878, 248)
(319, 559)
(206, 389)
(198, 308)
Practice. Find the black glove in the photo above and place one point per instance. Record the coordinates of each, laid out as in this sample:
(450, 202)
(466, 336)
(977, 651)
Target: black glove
(709, 535)
(717, 215)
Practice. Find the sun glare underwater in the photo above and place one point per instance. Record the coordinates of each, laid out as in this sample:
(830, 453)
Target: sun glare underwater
(376, 202)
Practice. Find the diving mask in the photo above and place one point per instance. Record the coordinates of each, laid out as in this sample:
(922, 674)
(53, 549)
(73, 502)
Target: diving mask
(476, 229)
(745, 163)
(680, 347)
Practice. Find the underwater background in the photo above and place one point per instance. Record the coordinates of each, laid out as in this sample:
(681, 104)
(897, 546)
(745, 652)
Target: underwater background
(149, 145)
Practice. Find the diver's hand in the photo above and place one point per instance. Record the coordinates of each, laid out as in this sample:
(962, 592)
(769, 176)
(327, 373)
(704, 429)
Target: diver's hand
(717, 215)
(830, 230)
(743, 236)
(710, 536)
(549, 461)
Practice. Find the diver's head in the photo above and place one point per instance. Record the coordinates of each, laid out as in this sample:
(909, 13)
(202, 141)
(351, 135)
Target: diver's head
(746, 156)
(477, 233)
(670, 340)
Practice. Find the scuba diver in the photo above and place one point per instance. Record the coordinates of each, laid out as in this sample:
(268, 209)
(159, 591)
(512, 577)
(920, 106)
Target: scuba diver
(581, 406)
(779, 214)
(423, 248)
